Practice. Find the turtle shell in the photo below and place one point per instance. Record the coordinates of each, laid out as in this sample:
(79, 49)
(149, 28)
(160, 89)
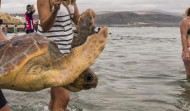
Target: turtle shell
(18, 50)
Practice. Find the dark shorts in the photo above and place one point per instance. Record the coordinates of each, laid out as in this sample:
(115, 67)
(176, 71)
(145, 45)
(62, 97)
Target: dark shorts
(3, 101)
(29, 31)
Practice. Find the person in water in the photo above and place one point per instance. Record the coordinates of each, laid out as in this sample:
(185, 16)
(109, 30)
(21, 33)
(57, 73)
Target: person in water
(56, 17)
(29, 18)
(15, 30)
(3, 102)
(2, 35)
(4, 31)
(185, 38)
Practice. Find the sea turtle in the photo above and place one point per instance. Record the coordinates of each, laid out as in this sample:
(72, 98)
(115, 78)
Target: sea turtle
(33, 62)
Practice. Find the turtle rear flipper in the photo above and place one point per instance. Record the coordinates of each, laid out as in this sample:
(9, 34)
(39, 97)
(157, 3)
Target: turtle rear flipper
(85, 28)
(82, 57)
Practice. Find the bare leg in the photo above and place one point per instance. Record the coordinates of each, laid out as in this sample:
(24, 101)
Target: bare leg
(3, 102)
(187, 68)
(59, 99)
(5, 108)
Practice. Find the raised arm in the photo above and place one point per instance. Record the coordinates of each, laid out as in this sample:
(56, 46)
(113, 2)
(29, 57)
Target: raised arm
(47, 13)
(32, 11)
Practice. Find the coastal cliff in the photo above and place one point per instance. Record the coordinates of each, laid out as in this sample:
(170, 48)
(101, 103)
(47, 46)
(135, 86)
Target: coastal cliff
(138, 18)
(8, 19)
(118, 19)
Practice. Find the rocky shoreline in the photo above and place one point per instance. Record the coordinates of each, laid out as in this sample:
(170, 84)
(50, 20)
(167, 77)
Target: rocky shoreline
(110, 19)
(10, 21)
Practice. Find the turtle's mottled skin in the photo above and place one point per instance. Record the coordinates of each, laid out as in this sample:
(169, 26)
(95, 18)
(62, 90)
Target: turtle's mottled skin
(33, 62)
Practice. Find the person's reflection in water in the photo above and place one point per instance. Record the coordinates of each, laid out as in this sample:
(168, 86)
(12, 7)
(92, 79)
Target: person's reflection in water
(183, 102)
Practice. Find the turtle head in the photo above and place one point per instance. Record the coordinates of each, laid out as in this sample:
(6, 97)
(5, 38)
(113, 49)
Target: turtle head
(86, 80)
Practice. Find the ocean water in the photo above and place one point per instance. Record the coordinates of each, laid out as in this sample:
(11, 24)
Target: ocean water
(139, 70)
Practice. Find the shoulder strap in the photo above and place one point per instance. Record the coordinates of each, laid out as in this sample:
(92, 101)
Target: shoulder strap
(67, 8)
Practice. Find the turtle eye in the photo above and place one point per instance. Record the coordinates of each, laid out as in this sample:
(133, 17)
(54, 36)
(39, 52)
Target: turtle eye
(88, 78)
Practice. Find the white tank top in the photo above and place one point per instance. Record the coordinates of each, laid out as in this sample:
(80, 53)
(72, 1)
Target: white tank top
(61, 32)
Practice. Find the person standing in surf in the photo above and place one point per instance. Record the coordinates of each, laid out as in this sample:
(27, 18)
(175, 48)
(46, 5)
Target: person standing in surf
(15, 30)
(29, 18)
(185, 39)
(56, 18)
(5, 30)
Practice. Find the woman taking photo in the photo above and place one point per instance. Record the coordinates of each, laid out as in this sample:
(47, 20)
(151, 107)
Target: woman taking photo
(185, 38)
(56, 18)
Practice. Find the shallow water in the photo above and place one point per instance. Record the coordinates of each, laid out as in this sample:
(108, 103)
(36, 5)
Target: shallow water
(139, 70)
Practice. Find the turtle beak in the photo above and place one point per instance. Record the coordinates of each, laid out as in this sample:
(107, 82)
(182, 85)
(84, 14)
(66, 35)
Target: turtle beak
(87, 80)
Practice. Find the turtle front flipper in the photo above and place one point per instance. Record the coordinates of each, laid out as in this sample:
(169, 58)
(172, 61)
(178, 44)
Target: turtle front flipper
(80, 58)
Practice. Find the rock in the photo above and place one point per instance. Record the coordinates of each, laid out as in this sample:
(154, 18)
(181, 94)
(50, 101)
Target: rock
(8, 19)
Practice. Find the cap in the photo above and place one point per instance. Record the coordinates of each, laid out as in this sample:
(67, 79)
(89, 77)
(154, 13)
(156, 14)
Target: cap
(28, 6)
